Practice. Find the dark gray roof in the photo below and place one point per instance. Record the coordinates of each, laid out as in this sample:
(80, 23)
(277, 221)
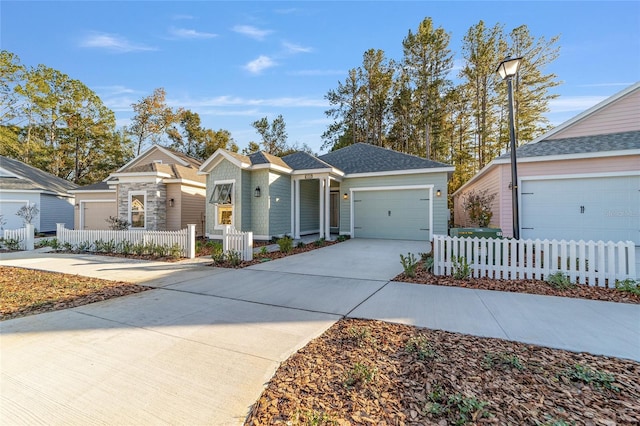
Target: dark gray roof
(261, 157)
(303, 160)
(367, 158)
(579, 145)
(100, 186)
(32, 179)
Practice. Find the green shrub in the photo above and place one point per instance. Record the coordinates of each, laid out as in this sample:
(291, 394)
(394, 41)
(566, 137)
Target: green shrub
(217, 255)
(559, 280)
(360, 374)
(285, 243)
(54, 243)
(461, 268)
(67, 246)
(342, 238)
(125, 247)
(587, 375)
(629, 285)
(105, 246)
(300, 244)
(319, 242)
(264, 251)
(175, 251)
(360, 335)
(12, 243)
(139, 249)
(233, 257)
(428, 264)
(492, 360)
(409, 263)
(420, 346)
(84, 246)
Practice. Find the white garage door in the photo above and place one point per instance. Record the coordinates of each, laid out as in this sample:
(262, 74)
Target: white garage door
(392, 214)
(598, 208)
(8, 210)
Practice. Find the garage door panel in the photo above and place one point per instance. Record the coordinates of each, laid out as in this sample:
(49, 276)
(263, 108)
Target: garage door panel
(398, 214)
(603, 208)
(96, 213)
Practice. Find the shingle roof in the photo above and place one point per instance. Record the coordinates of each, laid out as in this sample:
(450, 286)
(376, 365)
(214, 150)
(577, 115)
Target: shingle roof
(303, 160)
(32, 178)
(367, 158)
(100, 186)
(175, 171)
(261, 157)
(579, 145)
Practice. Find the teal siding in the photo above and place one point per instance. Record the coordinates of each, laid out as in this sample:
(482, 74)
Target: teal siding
(438, 180)
(279, 204)
(309, 205)
(224, 171)
(260, 206)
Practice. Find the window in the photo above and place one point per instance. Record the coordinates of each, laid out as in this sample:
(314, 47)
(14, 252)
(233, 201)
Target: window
(222, 197)
(137, 205)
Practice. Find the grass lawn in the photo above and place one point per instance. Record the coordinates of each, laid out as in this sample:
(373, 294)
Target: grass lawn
(26, 291)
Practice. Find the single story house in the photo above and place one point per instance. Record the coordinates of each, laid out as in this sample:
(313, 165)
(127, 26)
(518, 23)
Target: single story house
(158, 190)
(579, 181)
(21, 184)
(362, 190)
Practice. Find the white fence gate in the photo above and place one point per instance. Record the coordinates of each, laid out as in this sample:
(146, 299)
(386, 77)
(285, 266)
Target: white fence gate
(25, 236)
(594, 263)
(186, 238)
(237, 241)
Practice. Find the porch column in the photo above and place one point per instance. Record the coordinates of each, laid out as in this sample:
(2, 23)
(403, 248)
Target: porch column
(321, 221)
(292, 229)
(327, 208)
(296, 203)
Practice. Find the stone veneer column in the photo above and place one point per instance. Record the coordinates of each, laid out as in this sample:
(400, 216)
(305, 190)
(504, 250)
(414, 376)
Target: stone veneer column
(156, 208)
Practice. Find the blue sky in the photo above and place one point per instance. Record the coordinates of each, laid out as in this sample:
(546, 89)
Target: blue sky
(235, 62)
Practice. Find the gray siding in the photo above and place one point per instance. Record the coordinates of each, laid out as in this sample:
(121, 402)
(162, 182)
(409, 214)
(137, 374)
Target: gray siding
(438, 180)
(280, 204)
(310, 205)
(54, 209)
(260, 206)
(247, 201)
(224, 171)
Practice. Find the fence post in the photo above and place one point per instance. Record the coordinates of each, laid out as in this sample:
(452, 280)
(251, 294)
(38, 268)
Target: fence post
(29, 240)
(191, 241)
(59, 232)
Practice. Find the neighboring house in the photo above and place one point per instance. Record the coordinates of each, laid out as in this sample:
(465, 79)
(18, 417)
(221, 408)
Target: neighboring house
(579, 181)
(363, 191)
(158, 190)
(21, 184)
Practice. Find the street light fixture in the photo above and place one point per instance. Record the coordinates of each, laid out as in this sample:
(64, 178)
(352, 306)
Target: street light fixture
(507, 70)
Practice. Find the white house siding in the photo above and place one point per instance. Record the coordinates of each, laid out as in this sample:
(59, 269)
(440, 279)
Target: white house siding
(224, 171)
(438, 180)
(55, 209)
(10, 203)
(280, 204)
(619, 116)
(309, 206)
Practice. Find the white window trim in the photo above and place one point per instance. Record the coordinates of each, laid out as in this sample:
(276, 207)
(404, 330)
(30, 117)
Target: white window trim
(233, 203)
(131, 195)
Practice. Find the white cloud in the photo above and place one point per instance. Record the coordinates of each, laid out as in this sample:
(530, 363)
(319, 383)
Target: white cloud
(253, 32)
(295, 48)
(259, 64)
(574, 103)
(191, 34)
(113, 42)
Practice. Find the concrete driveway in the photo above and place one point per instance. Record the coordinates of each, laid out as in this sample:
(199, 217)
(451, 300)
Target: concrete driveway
(199, 348)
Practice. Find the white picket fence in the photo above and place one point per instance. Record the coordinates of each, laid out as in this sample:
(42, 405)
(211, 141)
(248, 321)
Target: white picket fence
(186, 238)
(25, 236)
(240, 242)
(595, 263)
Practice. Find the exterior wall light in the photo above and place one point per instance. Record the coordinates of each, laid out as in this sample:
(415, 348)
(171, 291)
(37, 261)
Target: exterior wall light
(256, 193)
(345, 196)
(172, 202)
(438, 193)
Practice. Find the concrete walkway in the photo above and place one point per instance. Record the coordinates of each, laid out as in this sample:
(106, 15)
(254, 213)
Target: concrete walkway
(200, 347)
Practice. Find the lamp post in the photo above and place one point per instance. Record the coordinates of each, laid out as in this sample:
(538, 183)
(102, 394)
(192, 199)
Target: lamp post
(507, 70)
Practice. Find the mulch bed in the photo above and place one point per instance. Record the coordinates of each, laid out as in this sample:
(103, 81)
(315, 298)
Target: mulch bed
(375, 373)
(581, 291)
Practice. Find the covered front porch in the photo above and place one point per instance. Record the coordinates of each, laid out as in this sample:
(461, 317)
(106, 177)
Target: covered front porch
(315, 207)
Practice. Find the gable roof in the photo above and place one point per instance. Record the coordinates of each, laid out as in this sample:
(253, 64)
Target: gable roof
(99, 186)
(21, 176)
(579, 145)
(261, 157)
(367, 158)
(179, 158)
(304, 161)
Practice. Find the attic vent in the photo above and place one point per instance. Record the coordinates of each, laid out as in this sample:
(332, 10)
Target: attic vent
(157, 161)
